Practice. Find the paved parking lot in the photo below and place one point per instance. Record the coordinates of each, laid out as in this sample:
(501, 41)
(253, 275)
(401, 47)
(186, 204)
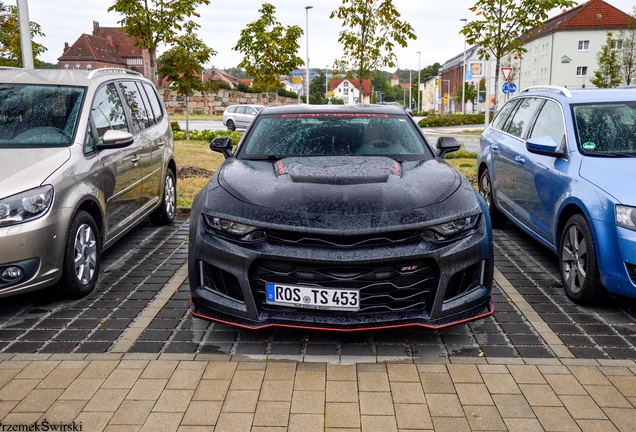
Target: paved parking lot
(133, 310)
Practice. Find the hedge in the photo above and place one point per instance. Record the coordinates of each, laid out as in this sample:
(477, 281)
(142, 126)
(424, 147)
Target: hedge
(451, 120)
(208, 135)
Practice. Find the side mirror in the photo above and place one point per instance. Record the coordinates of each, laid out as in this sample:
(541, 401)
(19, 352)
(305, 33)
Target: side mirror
(114, 139)
(543, 145)
(447, 145)
(222, 145)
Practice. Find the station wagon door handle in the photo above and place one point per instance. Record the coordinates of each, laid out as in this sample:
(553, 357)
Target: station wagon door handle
(494, 146)
(520, 159)
(135, 159)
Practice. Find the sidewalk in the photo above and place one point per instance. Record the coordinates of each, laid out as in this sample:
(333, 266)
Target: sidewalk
(174, 392)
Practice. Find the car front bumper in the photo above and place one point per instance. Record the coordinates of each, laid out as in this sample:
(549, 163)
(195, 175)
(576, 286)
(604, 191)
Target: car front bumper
(451, 284)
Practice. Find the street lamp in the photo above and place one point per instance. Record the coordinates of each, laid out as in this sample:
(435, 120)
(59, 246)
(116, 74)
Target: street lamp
(464, 71)
(326, 83)
(307, 66)
(419, 91)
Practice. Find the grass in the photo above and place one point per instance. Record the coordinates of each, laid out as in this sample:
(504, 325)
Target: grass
(473, 131)
(196, 163)
(194, 117)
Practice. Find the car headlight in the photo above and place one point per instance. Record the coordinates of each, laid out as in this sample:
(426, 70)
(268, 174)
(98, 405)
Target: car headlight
(451, 229)
(626, 217)
(235, 229)
(25, 206)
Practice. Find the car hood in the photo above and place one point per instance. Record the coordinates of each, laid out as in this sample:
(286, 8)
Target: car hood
(26, 168)
(610, 174)
(339, 193)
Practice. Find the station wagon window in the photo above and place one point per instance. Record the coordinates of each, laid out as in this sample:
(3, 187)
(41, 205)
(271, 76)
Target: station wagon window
(240, 110)
(550, 123)
(522, 118)
(135, 105)
(108, 112)
(154, 102)
(500, 120)
(250, 110)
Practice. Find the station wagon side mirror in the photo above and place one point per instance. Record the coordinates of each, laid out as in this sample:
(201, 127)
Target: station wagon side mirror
(447, 145)
(544, 145)
(222, 145)
(115, 139)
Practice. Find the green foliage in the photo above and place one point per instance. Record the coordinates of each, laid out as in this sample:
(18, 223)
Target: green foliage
(213, 86)
(10, 48)
(501, 23)
(207, 135)
(175, 126)
(371, 29)
(269, 49)
(286, 93)
(462, 153)
(155, 22)
(607, 74)
(470, 93)
(432, 120)
(47, 65)
(242, 87)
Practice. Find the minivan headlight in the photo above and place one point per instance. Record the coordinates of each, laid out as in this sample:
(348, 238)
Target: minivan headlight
(626, 217)
(451, 229)
(25, 206)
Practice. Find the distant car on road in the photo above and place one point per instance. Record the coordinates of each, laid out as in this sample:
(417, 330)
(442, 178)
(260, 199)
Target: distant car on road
(339, 217)
(240, 116)
(561, 164)
(84, 157)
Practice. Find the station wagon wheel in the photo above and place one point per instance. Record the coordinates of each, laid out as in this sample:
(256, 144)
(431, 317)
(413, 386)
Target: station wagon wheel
(230, 125)
(165, 214)
(577, 259)
(497, 218)
(82, 256)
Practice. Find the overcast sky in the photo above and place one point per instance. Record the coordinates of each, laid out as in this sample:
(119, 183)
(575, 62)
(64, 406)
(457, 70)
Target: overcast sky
(436, 23)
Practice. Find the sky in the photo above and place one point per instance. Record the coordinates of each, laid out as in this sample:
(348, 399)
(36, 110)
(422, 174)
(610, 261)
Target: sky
(436, 24)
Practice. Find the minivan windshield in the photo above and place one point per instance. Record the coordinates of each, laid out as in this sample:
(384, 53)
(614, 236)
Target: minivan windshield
(334, 134)
(606, 129)
(38, 115)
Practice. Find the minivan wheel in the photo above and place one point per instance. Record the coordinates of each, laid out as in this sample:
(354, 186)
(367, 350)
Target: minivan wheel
(82, 256)
(577, 259)
(165, 214)
(230, 125)
(497, 218)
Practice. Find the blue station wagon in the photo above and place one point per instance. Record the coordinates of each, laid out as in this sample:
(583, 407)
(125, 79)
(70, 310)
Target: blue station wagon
(561, 165)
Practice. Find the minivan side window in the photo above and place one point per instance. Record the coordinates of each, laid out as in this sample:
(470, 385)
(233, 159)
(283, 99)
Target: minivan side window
(144, 97)
(135, 105)
(107, 111)
(550, 123)
(240, 110)
(522, 118)
(500, 120)
(154, 102)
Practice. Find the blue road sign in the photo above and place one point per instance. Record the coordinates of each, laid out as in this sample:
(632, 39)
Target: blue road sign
(505, 88)
(512, 87)
(469, 75)
(481, 99)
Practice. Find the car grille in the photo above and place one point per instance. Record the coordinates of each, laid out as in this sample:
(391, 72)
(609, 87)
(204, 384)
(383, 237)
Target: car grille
(379, 239)
(393, 287)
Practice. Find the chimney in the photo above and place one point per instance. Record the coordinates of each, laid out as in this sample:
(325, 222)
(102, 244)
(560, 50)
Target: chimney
(95, 28)
(65, 47)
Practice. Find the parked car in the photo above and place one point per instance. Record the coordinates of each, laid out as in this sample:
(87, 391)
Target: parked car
(339, 217)
(84, 157)
(240, 116)
(560, 164)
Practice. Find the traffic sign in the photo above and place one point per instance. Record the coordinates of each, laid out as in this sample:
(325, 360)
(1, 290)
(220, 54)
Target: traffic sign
(512, 87)
(469, 75)
(506, 71)
(297, 80)
(505, 88)
(445, 98)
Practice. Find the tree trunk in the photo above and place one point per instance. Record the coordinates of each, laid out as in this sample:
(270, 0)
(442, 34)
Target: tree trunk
(152, 66)
(497, 72)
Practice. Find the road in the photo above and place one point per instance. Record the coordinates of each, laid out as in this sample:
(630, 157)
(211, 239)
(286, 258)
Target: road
(470, 141)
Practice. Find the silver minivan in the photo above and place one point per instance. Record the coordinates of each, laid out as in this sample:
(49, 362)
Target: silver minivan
(84, 157)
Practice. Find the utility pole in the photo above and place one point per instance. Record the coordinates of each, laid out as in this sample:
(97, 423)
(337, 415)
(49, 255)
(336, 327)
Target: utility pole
(464, 71)
(307, 68)
(25, 34)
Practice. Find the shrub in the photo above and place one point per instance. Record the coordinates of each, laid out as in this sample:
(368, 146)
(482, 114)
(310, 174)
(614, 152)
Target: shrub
(175, 126)
(207, 135)
(451, 120)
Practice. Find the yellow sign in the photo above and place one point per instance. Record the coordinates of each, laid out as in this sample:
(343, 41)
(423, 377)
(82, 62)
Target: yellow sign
(330, 94)
(297, 80)
(477, 68)
(445, 98)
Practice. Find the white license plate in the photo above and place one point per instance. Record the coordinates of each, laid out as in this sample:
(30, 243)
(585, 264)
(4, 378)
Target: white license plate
(310, 297)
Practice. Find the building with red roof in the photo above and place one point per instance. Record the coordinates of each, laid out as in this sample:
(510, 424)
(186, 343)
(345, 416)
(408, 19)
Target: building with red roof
(349, 90)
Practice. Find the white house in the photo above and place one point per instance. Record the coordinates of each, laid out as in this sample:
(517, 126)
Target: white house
(349, 90)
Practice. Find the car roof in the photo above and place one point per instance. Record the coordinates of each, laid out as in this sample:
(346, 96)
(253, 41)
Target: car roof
(578, 96)
(319, 109)
(65, 77)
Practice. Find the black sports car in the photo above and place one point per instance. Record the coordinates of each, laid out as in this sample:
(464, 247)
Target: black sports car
(339, 218)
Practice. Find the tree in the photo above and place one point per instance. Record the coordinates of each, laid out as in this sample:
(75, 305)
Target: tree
(317, 90)
(155, 22)
(183, 64)
(627, 53)
(470, 93)
(372, 29)
(269, 49)
(10, 48)
(607, 74)
(502, 23)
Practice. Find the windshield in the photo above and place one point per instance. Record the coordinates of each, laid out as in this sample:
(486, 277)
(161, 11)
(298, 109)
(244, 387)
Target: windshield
(607, 129)
(334, 134)
(38, 115)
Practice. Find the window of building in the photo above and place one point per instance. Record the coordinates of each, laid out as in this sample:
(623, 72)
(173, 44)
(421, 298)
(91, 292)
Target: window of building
(346, 91)
(65, 67)
(584, 45)
(89, 67)
(346, 84)
(617, 44)
(77, 67)
(581, 71)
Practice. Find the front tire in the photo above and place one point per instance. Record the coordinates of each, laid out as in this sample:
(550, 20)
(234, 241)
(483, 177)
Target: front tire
(165, 214)
(497, 218)
(578, 263)
(230, 125)
(82, 256)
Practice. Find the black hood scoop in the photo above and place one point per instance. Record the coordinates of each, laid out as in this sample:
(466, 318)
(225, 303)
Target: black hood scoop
(341, 170)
